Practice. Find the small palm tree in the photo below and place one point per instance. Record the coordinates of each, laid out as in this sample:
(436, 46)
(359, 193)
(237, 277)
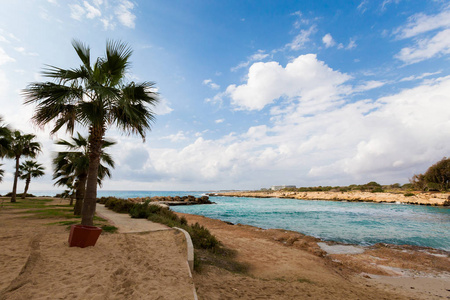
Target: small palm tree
(21, 145)
(96, 97)
(27, 170)
(71, 167)
(1, 173)
(5, 138)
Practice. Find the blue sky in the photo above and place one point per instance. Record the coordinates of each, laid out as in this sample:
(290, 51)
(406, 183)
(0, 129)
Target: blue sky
(252, 93)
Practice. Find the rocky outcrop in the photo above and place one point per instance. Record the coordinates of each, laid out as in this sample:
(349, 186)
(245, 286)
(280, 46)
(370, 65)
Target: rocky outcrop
(176, 200)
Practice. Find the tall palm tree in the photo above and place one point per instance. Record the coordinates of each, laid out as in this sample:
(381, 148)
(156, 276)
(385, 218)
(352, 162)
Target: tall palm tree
(96, 97)
(21, 145)
(27, 170)
(71, 167)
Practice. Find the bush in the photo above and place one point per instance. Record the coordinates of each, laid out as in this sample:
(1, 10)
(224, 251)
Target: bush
(19, 195)
(201, 237)
(408, 194)
(119, 205)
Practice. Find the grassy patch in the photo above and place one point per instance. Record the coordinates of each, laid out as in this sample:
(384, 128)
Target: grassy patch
(109, 229)
(24, 203)
(62, 213)
(64, 223)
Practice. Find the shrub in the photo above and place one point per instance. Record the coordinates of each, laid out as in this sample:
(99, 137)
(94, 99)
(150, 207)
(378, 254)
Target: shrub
(408, 194)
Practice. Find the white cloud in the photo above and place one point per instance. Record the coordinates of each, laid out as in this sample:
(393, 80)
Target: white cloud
(162, 108)
(421, 76)
(427, 43)
(351, 45)
(76, 11)
(328, 40)
(124, 14)
(211, 84)
(23, 51)
(362, 7)
(4, 57)
(258, 56)
(386, 140)
(426, 48)
(218, 121)
(91, 11)
(421, 23)
(302, 38)
(304, 79)
(112, 11)
(369, 85)
(387, 2)
(179, 136)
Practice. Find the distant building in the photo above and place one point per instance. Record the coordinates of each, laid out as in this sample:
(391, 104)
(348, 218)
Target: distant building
(280, 187)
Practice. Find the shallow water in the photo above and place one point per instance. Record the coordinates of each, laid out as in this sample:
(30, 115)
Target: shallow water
(355, 223)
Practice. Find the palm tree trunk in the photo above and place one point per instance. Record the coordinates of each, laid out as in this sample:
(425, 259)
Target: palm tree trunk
(79, 194)
(16, 176)
(90, 198)
(27, 185)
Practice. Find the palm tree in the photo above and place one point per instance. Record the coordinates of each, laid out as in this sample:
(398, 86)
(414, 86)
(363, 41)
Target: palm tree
(21, 145)
(71, 167)
(96, 97)
(27, 170)
(1, 173)
(5, 138)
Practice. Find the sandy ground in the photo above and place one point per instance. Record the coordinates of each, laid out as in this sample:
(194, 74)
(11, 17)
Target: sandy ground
(37, 263)
(289, 265)
(418, 198)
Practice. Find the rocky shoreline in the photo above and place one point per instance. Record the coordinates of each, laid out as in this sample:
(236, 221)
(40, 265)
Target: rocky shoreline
(173, 200)
(417, 198)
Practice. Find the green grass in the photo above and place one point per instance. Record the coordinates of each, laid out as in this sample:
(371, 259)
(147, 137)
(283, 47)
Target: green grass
(109, 229)
(27, 203)
(62, 213)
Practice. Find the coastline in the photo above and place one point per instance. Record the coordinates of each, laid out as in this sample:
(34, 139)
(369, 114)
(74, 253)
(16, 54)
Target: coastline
(428, 198)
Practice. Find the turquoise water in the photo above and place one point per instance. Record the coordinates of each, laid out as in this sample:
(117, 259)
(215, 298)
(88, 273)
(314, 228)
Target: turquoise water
(355, 223)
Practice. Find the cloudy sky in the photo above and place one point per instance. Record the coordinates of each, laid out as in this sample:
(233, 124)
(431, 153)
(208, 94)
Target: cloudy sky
(252, 93)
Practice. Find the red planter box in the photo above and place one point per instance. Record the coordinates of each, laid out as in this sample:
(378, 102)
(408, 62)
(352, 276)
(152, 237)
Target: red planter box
(83, 235)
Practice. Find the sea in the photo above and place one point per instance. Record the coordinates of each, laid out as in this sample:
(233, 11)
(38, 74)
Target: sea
(346, 222)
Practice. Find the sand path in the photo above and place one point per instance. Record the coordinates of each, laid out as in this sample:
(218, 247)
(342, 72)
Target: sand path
(126, 224)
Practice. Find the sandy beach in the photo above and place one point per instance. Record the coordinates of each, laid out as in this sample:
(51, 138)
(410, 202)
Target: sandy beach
(417, 198)
(37, 263)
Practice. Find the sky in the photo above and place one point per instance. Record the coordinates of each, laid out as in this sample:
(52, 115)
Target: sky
(252, 93)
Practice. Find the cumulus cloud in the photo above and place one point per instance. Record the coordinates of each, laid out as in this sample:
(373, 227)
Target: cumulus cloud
(328, 40)
(218, 121)
(304, 79)
(386, 140)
